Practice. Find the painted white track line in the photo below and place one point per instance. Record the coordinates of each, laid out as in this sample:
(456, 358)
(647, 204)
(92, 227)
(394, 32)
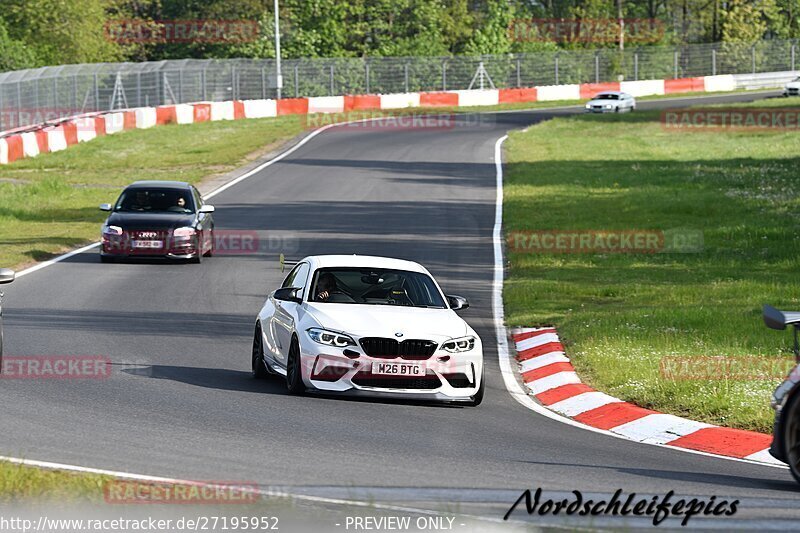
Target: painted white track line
(504, 355)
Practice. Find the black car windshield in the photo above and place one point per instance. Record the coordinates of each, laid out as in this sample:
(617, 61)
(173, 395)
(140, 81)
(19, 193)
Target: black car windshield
(155, 200)
(607, 97)
(375, 287)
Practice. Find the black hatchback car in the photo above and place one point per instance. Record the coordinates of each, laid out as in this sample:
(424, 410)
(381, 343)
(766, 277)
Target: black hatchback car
(158, 219)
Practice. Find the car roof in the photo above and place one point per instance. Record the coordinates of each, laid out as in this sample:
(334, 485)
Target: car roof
(154, 184)
(363, 261)
(618, 93)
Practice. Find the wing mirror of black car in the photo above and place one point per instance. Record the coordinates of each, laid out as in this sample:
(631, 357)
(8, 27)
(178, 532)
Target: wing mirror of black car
(6, 275)
(105, 207)
(776, 319)
(288, 294)
(457, 302)
(208, 209)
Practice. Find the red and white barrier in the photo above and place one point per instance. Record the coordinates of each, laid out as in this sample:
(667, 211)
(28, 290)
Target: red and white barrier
(551, 378)
(16, 145)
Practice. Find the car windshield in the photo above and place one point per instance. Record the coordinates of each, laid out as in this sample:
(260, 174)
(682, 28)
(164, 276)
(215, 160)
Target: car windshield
(607, 97)
(375, 287)
(156, 200)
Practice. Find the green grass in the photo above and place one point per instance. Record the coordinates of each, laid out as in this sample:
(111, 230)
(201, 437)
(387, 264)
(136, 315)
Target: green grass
(620, 314)
(25, 483)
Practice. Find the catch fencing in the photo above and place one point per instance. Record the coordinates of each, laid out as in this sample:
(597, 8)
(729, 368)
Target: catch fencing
(34, 96)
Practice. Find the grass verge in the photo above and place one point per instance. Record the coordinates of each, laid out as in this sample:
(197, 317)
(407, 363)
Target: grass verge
(626, 317)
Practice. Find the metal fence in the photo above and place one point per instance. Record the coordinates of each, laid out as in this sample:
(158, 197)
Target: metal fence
(36, 95)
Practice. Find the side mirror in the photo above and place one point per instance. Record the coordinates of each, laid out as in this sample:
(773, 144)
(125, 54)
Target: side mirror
(207, 209)
(457, 302)
(287, 294)
(6, 275)
(105, 207)
(776, 319)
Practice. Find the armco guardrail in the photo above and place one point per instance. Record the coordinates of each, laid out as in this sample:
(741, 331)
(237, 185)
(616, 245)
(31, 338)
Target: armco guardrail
(30, 96)
(764, 80)
(58, 135)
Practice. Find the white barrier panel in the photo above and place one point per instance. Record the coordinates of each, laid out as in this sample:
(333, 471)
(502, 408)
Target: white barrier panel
(558, 92)
(326, 104)
(3, 152)
(56, 140)
(260, 108)
(723, 82)
(115, 122)
(222, 110)
(764, 80)
(145, 117)
(30, 146)
(397, 101)
(184, 114)
(85, 128)
(475, 98)
(642, 87)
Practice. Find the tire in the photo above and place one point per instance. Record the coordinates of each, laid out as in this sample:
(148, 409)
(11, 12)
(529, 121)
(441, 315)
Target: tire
(294, 378)
(259, 366)
(210, 252)
(791, 436)
(198, 258)
(476, 400)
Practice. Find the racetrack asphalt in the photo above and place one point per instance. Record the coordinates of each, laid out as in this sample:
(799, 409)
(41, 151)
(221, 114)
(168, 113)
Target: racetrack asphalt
(181, 403)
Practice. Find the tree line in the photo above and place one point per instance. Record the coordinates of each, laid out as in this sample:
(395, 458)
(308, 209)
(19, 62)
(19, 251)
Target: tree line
(50, 32)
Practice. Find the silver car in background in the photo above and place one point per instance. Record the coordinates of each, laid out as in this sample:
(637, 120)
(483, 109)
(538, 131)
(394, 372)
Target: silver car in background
(6, 276)
(611, 102)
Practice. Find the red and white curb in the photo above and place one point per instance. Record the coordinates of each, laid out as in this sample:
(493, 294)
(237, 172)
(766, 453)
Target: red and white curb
(550, 377)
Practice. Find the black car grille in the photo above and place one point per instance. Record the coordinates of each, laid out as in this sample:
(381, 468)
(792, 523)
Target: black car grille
(385, 348)
(367, 379)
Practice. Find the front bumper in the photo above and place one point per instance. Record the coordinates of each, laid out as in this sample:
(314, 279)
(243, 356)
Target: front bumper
(172, 247)
(600, 109)
(449, 377)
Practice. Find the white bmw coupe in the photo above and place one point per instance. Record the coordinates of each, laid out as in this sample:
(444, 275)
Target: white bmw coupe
(368, 325)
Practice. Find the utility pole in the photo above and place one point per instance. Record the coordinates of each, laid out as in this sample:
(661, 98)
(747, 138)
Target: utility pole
(279, 77)
(621, 25)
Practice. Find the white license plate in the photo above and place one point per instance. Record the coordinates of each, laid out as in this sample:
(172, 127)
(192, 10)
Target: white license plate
(398, 369)
(148, 244)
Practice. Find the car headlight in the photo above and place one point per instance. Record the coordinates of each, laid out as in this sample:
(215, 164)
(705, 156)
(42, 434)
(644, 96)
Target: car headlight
(184, 232)
(330, 338)
(608, 106)
(111, 230)
(463, 344)
(588, 106)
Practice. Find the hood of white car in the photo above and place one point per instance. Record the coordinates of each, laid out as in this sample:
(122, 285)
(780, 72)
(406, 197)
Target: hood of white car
(603, 102)
(386, 321)
(793, 85)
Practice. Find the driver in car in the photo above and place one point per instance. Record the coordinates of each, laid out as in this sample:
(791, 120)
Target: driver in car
(326, 285)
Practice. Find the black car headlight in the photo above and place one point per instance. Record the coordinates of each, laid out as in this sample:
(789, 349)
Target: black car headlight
(462, 344)
(330, 338)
